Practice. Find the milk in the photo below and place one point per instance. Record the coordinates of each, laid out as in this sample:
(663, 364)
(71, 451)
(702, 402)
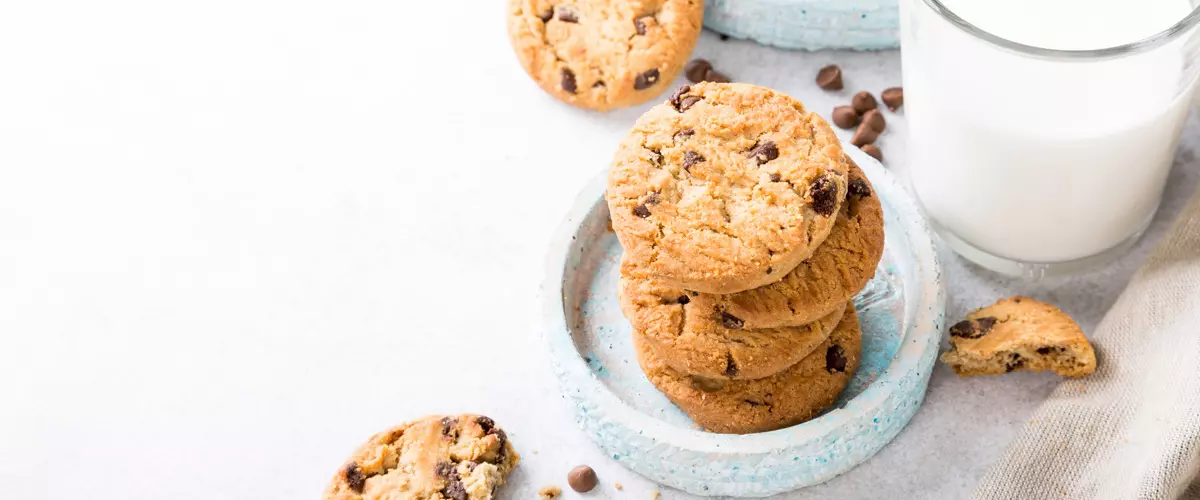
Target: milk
(1043, 160)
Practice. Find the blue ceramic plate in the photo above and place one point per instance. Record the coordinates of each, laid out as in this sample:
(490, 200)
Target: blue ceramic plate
(592, 353)
(808, 24)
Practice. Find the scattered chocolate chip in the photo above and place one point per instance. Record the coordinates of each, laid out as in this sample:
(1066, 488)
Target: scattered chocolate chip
(965, 329)
(455, 490)
(691, 158)
(835, 359)
(354, 477)
(683, 299)
(501, 454)
(567, 15)
(707, 384)
(830, 78)
(485, 423)
(731, 368)
(646, 80)
(501, 436)
(444, 469)
(640, 24)
(731, 322)
(763, 152)
(859, 187)
(873, 151)
(681, 101)
(864, 135)
(874, 119)
(547, 15)
(893, 98)
(1044, 350)
(696, 69)
(775, 177)
(770, 269)
(568, 80)
(652, 199)
(448, 424)
(986, 324)
(598, 84)
(1014, 361)
(863, 102)
(724, 37)
(845, 117)
(754, 403)
(1017, 300)
(582, 479)
(641, 211)
(824, 194)
(683, 134)
(713, 75)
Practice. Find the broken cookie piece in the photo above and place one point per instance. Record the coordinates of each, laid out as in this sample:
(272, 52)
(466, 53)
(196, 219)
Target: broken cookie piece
(1019, 333)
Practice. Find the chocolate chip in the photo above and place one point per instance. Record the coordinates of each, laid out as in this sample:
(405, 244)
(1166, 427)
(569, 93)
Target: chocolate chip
(688, 102)
(448, 424)
(713, 75)
(764, 152)
(691, 158)
(731, 368)
(445, 469)
(965, 329)
(1044, 350)
(986, 324)
(566, 15)
(859, 187)
(652, 199)
(754, 403)
(863, 102)
(830, 78)
(582, 479)
(874, 119)
(655, 157)
(683, 134)
(824, 194)
(681, 101)
(835, 359)
(1014, 361)
(568, 80)
(845, 117)
(354, 477)
(547, 15)
(731, 322)
(695, 294)
(775, 177)
(696, 69)
(873, 151)
(640, 24)
(864, 135)
(485, 423)
(646, 80)
(683, 299)
(598, 84)
(641, 211)
(501, 436)
(455, 490)
(893, 98)
(501, 454)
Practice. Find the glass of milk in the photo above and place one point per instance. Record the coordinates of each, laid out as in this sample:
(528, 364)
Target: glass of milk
(1043, 130)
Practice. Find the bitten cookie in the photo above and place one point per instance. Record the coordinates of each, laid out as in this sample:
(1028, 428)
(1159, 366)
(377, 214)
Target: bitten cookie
(604, 54)
(838, 270)
(435, 458)
(745, 406)
(725, 187)
(711, 342)
(1019, 333)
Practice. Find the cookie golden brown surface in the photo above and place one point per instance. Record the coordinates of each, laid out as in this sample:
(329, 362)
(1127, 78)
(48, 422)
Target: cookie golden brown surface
(1019, 333)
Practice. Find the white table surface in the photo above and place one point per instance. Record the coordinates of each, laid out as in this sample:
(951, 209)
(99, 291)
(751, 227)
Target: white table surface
(238, 237)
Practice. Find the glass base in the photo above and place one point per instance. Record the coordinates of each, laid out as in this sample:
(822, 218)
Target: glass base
(1035, 271)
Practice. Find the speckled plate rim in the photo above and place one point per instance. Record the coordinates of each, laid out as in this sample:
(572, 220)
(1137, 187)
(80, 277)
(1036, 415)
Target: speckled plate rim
(920, 338)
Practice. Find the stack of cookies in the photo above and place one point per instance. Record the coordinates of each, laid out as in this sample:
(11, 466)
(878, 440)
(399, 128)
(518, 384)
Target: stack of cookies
(746, 231)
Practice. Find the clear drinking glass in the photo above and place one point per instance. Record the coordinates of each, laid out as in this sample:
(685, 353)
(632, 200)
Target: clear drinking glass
(1036, 161)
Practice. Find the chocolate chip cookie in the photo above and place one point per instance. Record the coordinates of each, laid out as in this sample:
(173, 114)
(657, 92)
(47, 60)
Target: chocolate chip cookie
(604, 54)
(1019, 333)
(463, 457)
(725, 187)
(711, 342)
(745, 406)
(840, 267)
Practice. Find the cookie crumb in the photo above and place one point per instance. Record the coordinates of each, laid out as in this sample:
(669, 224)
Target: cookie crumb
(618, 486)
(550, 492)
(655, 495)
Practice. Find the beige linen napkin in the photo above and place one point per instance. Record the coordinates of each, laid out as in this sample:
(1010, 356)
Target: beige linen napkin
(1132, 429)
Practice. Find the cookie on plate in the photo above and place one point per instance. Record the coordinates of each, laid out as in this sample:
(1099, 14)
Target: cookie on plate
(838, 270)
(711, 342)
(725, 187)
(464, 457)
(604, 54)
(1019, 333)
(790, 397)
